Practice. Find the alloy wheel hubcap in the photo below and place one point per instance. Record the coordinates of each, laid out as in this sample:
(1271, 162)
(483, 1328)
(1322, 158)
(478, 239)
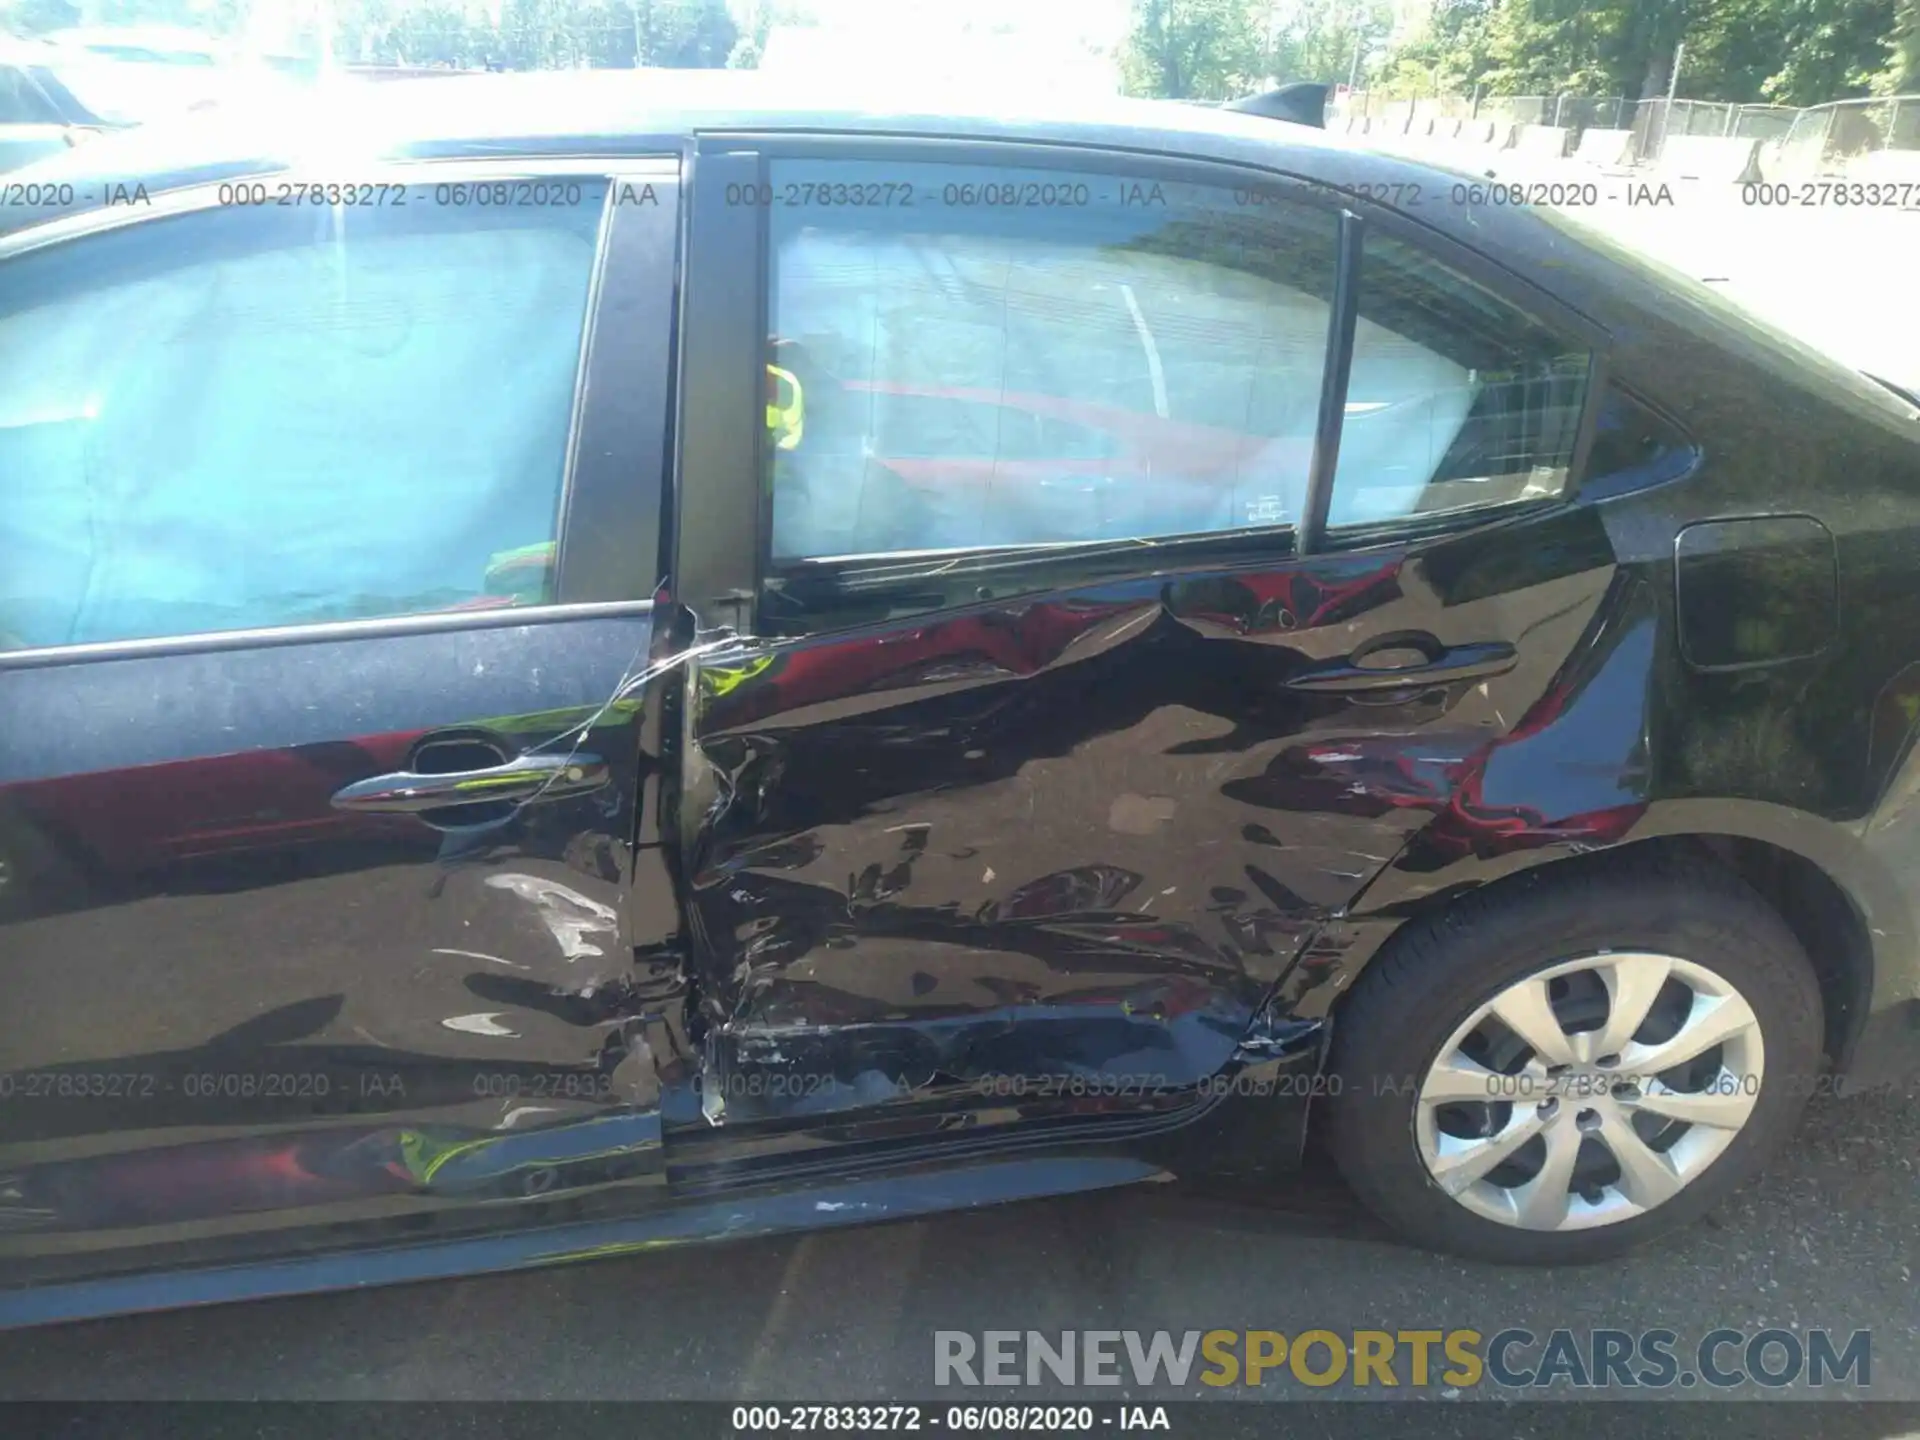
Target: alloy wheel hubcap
(1590, 1092)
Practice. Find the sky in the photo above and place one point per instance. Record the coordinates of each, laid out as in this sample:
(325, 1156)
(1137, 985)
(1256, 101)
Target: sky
(1012, 47)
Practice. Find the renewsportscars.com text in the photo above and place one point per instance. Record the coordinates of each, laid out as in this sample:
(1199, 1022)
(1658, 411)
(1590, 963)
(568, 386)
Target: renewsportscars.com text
(1598, 1359)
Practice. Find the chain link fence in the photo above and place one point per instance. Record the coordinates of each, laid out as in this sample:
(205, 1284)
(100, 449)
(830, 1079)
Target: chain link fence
(1818, 138)
(1577, 112)
(1823, 138)
(1656, 120)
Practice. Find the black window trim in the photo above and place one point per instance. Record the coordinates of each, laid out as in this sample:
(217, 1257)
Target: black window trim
(619, 439)
(1335, 375)
(599, 492)
(722, 577)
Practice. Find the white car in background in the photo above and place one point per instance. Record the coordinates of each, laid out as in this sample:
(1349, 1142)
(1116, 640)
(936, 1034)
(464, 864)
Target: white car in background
(73, 83)
(39, 114)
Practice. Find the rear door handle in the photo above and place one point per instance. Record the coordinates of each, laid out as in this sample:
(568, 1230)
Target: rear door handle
(529, 777)
(1414, 660)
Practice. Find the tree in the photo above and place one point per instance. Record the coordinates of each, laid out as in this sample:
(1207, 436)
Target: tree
(37, 17)
(1451, 55)
(685, 34)
(537, 34)
(749, 49)
(1831, 50)
(1789, 52)
(1194, 49)
(1597, 47)
(1317, 40)
(1902, 77)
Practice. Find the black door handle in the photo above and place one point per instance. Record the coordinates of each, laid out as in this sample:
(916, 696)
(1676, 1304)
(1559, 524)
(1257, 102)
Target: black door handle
(529, 777)
(1415, 660)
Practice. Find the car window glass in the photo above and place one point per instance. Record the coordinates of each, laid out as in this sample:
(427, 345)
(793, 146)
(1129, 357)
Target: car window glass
(243, 418)
(1456, 400)
(1631, 447)
(22, 102)
(1000, 357)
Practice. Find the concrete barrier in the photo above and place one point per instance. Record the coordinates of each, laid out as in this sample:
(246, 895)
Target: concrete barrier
(1610, 149)
(1780, 161)
(1542, 142)
(1479, 146)
(1888, 167)
(1709, 157)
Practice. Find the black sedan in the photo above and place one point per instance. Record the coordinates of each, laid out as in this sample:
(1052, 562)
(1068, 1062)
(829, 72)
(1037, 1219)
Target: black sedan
(589, 661)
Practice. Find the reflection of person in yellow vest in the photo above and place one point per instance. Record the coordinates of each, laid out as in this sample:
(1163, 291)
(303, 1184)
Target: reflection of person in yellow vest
(786, 399)
(828, 499)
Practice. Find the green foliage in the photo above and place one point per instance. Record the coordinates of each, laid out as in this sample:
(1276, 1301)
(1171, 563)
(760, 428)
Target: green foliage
(1784, 52)
(751, 47)
(1223, 49)
(1194, 49)
(1902, 75)
(1451, 56)
(537, 34)
(37, 17)
(1318, 41)
(1830, 49)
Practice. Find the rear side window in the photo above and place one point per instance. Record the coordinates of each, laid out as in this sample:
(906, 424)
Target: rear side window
(248, 418)
(1632, 447)
(1457, 401)
(988, 356)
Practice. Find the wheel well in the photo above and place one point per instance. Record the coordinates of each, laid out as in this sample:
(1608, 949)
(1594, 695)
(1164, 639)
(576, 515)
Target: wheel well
(1826, 923)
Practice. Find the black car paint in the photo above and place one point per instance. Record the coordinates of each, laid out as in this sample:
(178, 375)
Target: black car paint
(797, 844)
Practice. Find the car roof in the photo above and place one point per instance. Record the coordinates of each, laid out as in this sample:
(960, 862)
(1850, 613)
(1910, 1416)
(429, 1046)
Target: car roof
(354, 120)
(646, 102)
(342, 127)
(343, 122)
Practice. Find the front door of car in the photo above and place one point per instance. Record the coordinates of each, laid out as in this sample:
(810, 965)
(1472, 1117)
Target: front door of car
(331, 535)
(1030, 771)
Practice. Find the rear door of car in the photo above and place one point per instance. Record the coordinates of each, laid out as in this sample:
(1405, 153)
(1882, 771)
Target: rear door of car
(330, 533)
(1030, 775)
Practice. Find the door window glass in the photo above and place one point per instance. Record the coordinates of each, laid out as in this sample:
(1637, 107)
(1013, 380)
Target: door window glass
(244, 417)
(995, 357)
(1456, 400)
(22, 102)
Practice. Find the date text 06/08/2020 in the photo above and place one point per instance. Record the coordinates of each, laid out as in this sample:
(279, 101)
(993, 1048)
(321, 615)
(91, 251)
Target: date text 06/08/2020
(962, 1419)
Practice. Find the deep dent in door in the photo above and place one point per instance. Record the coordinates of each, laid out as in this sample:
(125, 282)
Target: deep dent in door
(1082, 835)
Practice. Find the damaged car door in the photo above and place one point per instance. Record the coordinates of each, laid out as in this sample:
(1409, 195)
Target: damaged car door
(1035, 758)
(331, 534)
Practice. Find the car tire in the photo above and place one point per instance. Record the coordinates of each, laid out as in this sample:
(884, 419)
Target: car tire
(1600, 931)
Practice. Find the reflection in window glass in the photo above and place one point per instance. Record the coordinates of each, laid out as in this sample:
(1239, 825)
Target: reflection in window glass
(22, 102)
(247, 418)
(1456, 400)
(1038, 357)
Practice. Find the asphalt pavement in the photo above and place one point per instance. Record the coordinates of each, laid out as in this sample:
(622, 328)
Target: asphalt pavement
(1827, 1239)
